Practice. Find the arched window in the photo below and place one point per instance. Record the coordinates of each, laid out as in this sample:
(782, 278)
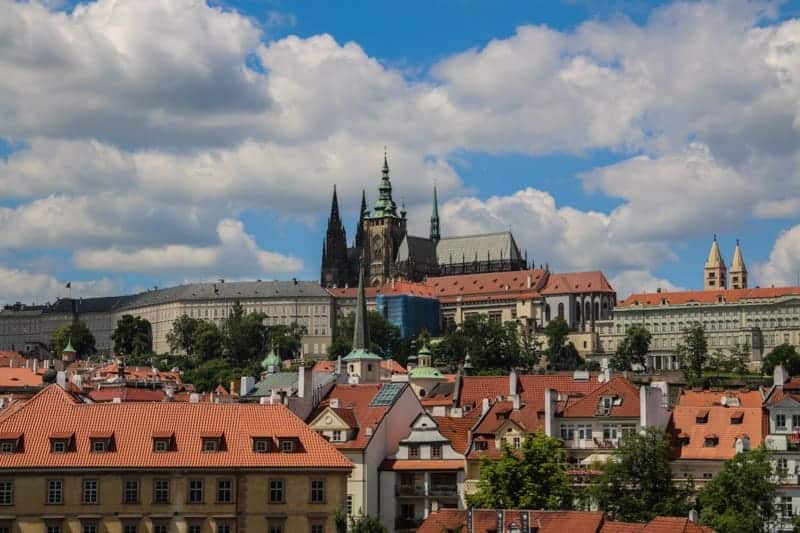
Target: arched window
(561, 310)
(547, 312)
(578, 312)
(596, 311)
(587, 311)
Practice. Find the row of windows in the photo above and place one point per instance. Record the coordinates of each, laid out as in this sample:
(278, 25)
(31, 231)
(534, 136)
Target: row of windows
(159, 526)
(436, 451)
(90, 491)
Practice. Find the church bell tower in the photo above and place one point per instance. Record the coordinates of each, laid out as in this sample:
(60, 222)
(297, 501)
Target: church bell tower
(383, 230)
(715, 273)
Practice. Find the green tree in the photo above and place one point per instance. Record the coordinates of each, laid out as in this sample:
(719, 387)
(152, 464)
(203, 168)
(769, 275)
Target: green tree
(207, 341)
(133, 336)
(366, 524)
(632, 348)
(77, 333)
(285, 339)
(693, 351)
(211, 373)
(636, 483)
(181, 337)
(384, 336)
(452, 349)
(741, 497)
(533, 477)
(244, 335)
(783, 354)
(561, 355)
(492, 344)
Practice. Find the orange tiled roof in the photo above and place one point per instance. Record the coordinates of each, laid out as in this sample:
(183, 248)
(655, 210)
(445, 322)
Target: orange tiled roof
(393, 366)
(53, 410)
(577, 282)
(388, 289)
(707, 297)
(324, 366)
(127, 394)
(354, 408)
(660, 524)
(19, 377)
(501, 285)
(422, 464)
(456, 430)
(694, 404)
(620, 387)
(7, 356)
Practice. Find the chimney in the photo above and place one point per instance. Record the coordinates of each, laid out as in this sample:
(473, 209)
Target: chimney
(512, 383)
(11, 363)
(169, 392)
(274, 397)
(194, 398)
(301, 381)
(246, 384)
(116, 399)
(339, 365)
(263, 400)
(779, 376)
(694, 516)
(368, 431)
(35, 365)
(27, 363)
(484, 406)
(61, 379)
(530, 280)
(516, 401)
(550, 399)
(334, 403)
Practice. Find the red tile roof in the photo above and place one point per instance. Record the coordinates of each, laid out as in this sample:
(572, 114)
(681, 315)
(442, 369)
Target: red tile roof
(660, 524)
(490, 285)
(19, 377)
(324, 366)
(701, 404)
(577, 282)
(127, 394)
(707, 297)
(133, 424)
(618, 387)
(7, 356)
(393, 366)
(422, 464)
(456, 430)
(355, 410)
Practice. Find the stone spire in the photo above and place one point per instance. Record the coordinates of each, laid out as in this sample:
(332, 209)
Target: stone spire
(335, 269)
(334, 217)
(385, 206)
(716, 275)
(361, 329)
(364, 213)
(738, 270)
(435, 234)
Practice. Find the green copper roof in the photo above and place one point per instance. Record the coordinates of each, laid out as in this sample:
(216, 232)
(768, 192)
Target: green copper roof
(278, 380)
(360, 354)
(425, 351)
(425, 372)
(385, 206)
(68, 348)
(271, 359)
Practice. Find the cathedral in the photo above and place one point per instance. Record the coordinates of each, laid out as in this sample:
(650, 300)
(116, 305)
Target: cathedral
(389, 252)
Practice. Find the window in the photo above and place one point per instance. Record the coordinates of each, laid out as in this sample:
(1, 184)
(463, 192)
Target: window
(89, 492)
(610, 432)
(275, 528)
(317, 528)
(780, 421)
(710, 441)
(337, 435)
(260, 445)
(130, 491)
(210, 445)
(781, 466)
(58, 446)
(224, 491)
(223, 527)
(90, 527)
(6, 492)
(195, 528)
(413, 451)
(436, 451)
(161, 527)
(516, 443)
(584, 432)
(349, 504)
(161, 491)
(567, 432)
(786, 507)
(195, 491)
(161, 445)
(276, 491)
(98, 445)
(287, 445)
(407, 511)
(55, 491)
(317, 491)
(8, 446)
(795, 422)
(133, 527)
(53, 528)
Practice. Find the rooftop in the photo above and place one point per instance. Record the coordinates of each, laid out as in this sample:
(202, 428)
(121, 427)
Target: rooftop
(707, 297)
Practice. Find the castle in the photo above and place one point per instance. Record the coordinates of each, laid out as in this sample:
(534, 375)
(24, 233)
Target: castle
(389, 252)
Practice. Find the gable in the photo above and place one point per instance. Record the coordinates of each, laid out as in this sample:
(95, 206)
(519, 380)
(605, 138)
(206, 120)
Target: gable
(329, 419)
(424, 421)
(786, 403)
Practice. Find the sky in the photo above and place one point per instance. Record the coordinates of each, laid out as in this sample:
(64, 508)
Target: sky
(155, 142)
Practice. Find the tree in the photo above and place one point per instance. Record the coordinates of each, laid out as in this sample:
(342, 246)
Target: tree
(533, 477)
(741, 497)
(384, 336)
(561, 355)
(783, 354)
(493, 347)
(636, 483)
(211, 373)
(693, 351)
(133, 336)
(632, 348)
(285, 339)
(452, 349)
(366, 524)
(244, 335)
(181, 338)
(207, 341)
(78, 334)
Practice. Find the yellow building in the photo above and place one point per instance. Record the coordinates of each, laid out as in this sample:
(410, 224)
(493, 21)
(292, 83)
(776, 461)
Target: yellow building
(156, 467)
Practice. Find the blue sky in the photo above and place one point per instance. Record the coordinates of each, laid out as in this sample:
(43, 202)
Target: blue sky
(163, 141)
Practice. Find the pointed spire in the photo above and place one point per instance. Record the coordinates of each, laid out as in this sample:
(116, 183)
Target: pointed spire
(738, 260)
(714, 255)
(363, 203)
(435, 232)
(334, 206)
(361, 329)
(385, 206)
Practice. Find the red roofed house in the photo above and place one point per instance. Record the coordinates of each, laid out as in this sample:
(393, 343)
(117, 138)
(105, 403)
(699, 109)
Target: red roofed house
(758, 319)
(165, 466)
(426, 473)
(514, 520)
(366, 422)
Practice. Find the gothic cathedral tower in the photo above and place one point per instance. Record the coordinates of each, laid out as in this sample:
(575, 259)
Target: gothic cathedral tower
(738, 270)
(716, 275)
(383, 231)
(336, 271)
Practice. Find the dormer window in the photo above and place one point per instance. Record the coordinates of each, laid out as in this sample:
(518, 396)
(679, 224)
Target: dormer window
(701, 417)
(213, 442)
(711, 440)
(101, 442)
(262, 444)
(737, 417)
(61, 442)
(163, 442)
(210, 445)
(683, 439)
(10, 442)
(288, 445)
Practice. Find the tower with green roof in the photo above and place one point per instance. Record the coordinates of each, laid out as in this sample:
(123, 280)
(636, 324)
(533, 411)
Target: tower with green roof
(271, 363)
(425, 376)
(69, 354)
(363, 366)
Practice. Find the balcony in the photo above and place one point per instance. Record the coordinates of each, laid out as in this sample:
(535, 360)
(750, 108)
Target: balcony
(410, 524)
(444, 490)
(410, 490)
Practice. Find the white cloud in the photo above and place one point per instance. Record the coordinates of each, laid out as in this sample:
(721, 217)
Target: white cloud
(639, 281)
(17, 285)
(783, 266)
(236, 254)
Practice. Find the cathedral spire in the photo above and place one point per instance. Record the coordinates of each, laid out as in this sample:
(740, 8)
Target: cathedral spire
(385, 206)
(435, 234)
(715, 272)
(334, 206)
(361, 329)
(738, 269)
(364, 213)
